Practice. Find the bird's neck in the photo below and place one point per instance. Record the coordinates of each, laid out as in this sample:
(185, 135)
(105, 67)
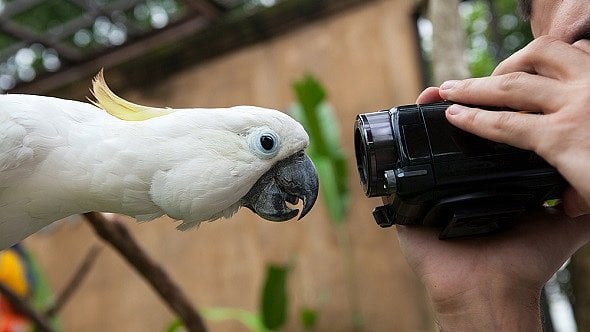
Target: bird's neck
(123, 163)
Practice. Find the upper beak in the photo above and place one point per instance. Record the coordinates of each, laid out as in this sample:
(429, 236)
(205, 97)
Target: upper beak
(289, 180)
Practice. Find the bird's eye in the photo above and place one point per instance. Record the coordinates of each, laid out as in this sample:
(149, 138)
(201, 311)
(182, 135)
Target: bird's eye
(265, 143)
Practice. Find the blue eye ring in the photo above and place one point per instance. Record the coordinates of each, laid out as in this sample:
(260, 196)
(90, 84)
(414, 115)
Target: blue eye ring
(264, 143)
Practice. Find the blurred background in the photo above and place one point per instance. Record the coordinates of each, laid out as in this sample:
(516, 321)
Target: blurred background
(335, 270)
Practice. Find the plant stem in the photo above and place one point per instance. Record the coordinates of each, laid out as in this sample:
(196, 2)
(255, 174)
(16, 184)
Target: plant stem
(75, 281)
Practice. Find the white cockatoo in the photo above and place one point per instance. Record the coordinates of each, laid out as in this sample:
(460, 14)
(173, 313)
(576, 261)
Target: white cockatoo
(62, 157)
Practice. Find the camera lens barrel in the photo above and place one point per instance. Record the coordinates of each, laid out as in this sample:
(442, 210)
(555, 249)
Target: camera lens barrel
(376, 150)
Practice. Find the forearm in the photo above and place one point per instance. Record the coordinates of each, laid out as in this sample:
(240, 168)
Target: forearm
(488, 310)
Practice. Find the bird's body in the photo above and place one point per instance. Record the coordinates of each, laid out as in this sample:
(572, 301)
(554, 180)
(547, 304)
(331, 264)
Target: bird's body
(61, 157)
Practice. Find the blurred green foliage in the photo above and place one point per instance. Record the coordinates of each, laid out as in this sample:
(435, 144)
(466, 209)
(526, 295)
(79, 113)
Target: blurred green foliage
(312, 109)
(251, 320)
(274, 303)
(48, 14)
(494, 31)
(273, 307)
(6, 40)
(308, 318)
(317, 117)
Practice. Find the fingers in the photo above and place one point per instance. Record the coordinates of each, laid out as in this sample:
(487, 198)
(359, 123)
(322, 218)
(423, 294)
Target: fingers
(546, 56)
(516, 129)
(430, 95)
(536, 79)
(519, 91)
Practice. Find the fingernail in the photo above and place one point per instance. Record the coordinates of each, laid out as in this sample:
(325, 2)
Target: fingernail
(448, 85)
(456, 109)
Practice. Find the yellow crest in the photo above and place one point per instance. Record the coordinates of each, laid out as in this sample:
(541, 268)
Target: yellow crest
(119, 107)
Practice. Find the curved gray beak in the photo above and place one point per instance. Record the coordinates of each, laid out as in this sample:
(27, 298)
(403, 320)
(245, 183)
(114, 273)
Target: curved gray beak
(289, 180)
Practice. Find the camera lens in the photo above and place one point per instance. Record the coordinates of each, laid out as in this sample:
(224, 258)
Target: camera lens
(375, 151)
(361, 153)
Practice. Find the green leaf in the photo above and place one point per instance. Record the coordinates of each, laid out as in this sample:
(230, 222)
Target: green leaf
(317, 117)
(274, 297)
(251, 320)
(310, 93)
(308, 318)
(175, 326)
(329, 179)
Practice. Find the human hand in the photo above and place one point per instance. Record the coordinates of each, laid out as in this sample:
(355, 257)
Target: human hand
(492, 282)
(550, 77)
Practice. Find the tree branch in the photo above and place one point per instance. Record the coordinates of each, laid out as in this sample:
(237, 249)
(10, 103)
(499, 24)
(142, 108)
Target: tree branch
(448, 41)
(114, 232)
(75, 281)
(22, 307)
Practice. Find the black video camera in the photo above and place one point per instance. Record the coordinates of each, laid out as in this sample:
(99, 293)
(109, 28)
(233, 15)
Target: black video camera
(431, 173)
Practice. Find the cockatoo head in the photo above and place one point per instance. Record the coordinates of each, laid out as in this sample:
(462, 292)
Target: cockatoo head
(288, 180)
(223, 159)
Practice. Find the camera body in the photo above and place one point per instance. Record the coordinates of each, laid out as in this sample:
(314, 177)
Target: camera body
(431, 173)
